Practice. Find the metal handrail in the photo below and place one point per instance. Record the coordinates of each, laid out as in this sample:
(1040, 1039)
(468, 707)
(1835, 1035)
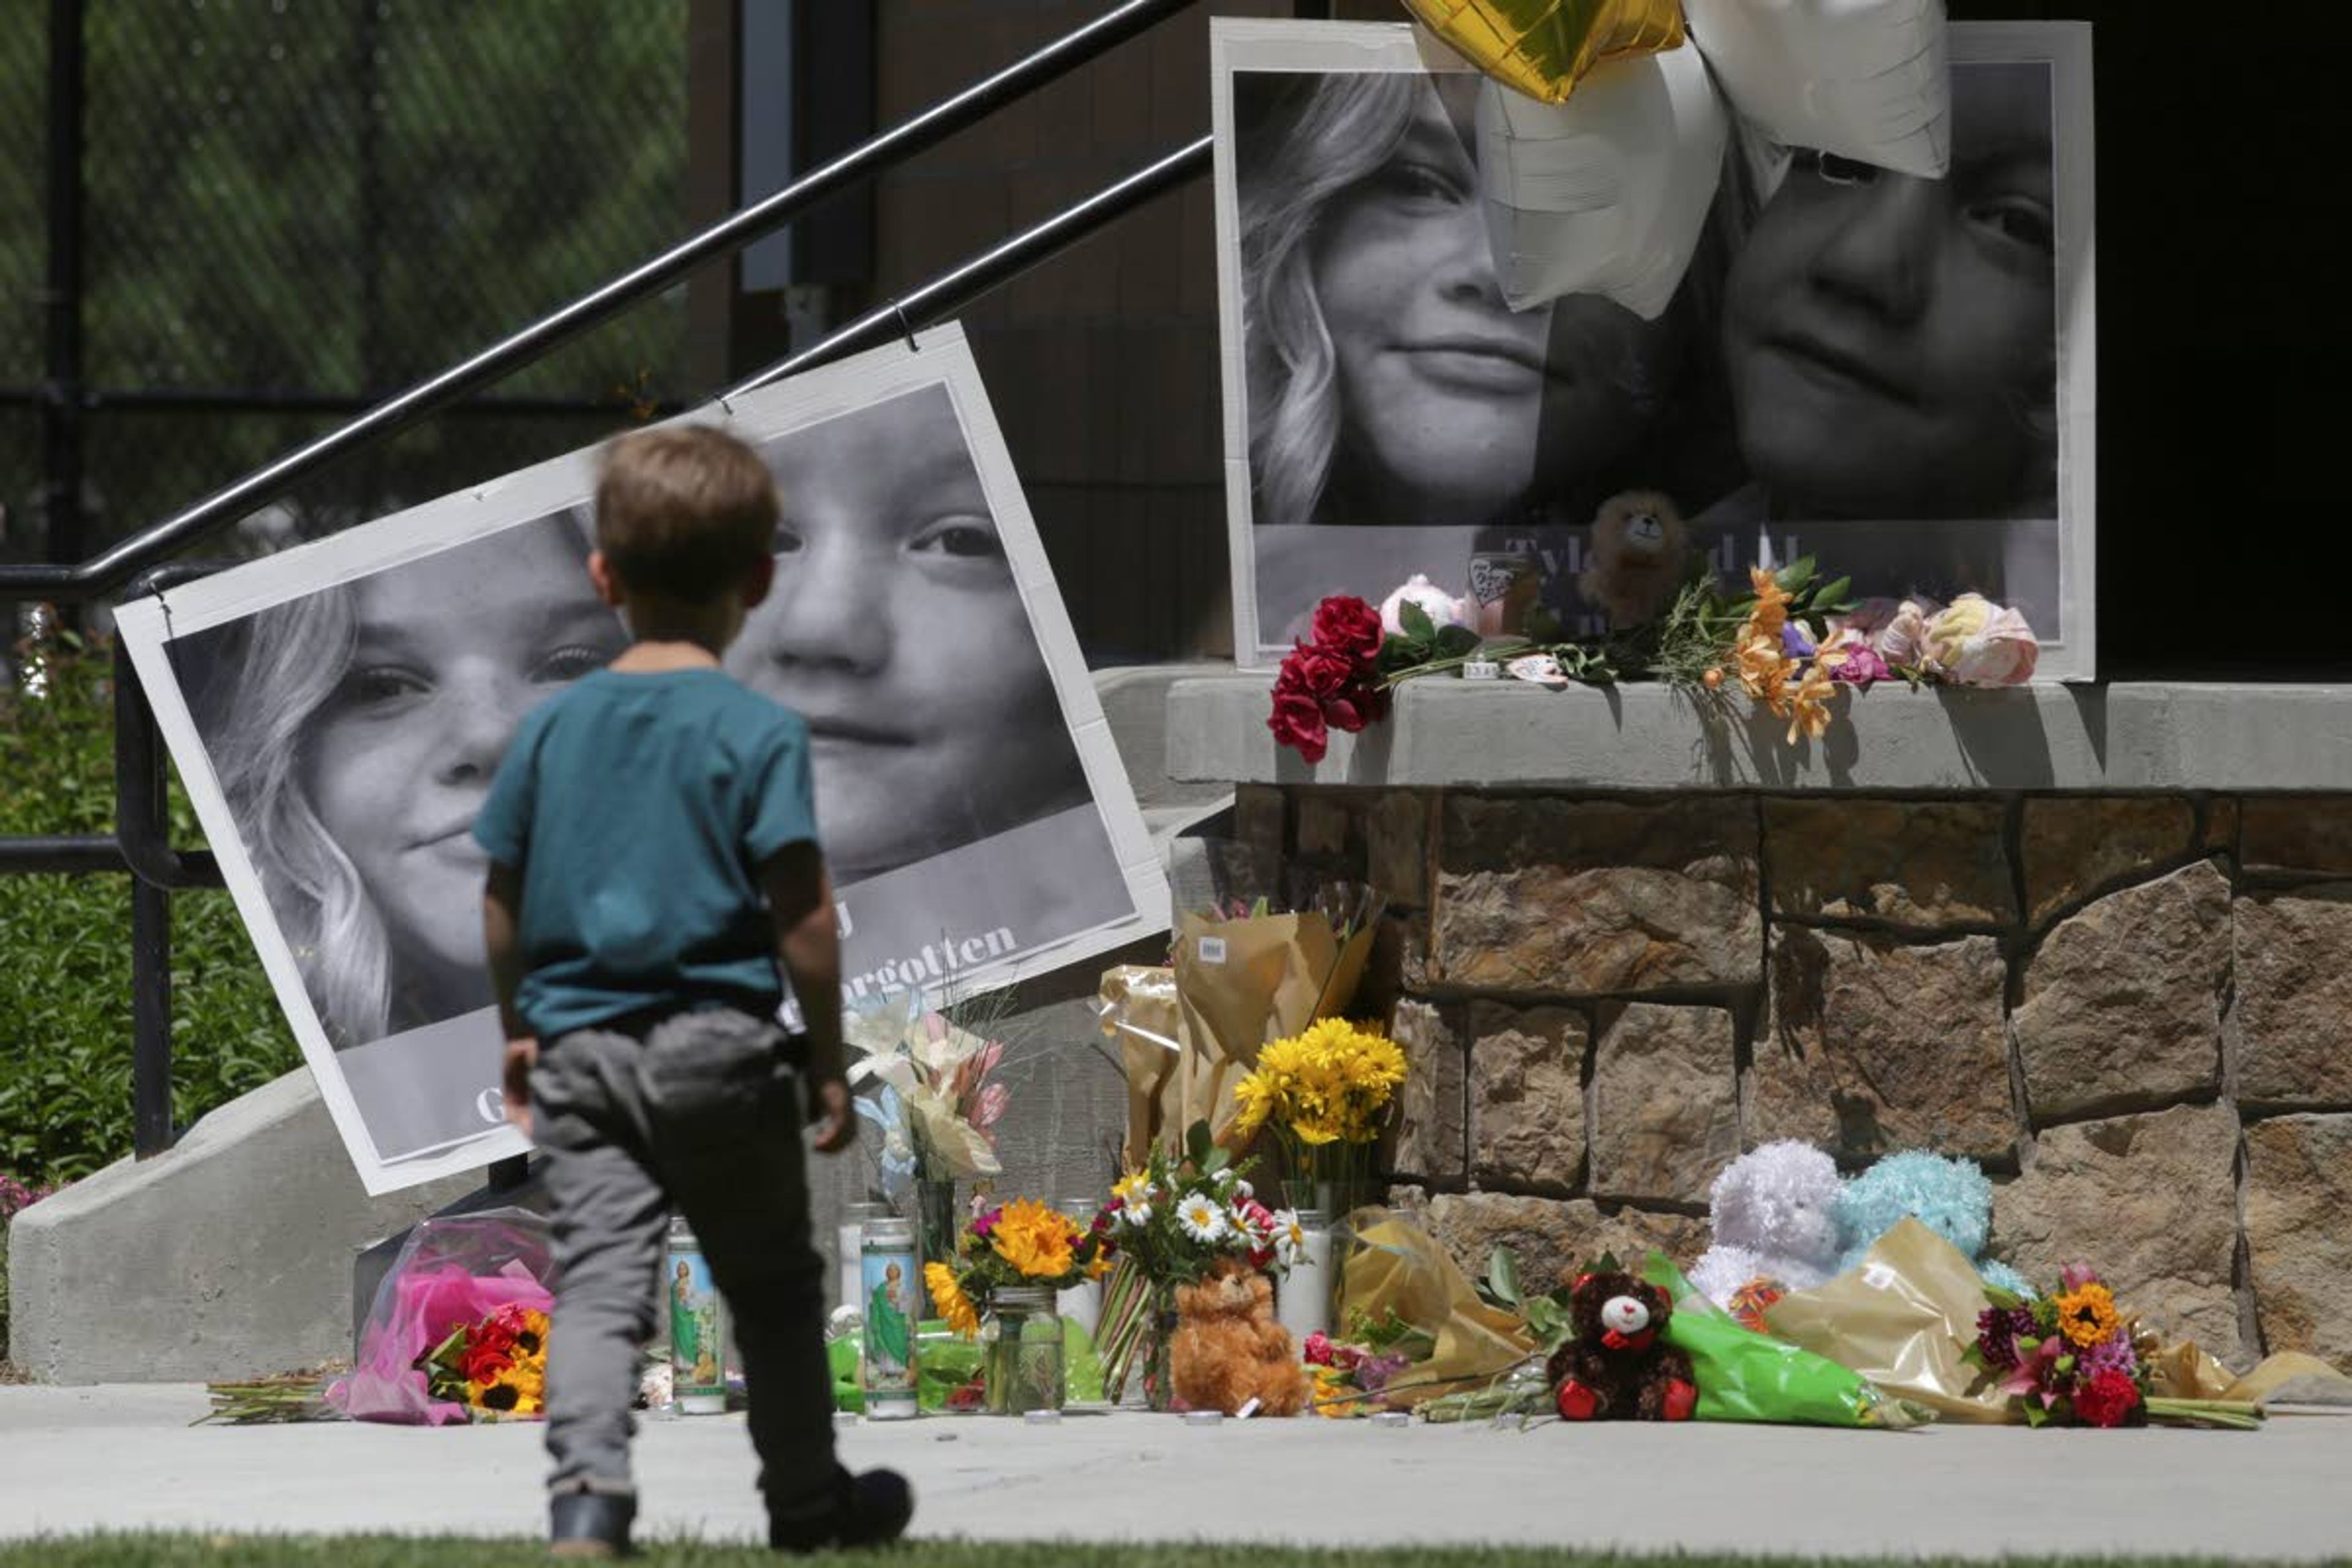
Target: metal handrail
(109, 570)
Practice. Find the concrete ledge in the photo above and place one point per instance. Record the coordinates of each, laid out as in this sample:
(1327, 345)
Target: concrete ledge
(228, 1256)
(1446, 732)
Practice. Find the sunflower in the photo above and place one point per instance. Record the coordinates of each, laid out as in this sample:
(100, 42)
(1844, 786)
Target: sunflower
(1034, 1239)
(947, 1296)
(521, 1390)
(2087, 1314)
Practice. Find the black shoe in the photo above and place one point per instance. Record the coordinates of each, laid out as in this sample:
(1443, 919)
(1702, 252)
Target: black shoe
(589, 1524)
(867, 1511)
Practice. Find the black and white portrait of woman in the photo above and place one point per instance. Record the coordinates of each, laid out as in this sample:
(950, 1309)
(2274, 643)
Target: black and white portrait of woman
(1861, 365)
(338, 711)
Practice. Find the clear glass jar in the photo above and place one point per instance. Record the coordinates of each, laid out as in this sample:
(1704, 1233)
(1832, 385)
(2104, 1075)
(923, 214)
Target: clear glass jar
(1021, 1351)
(849, 1248)
(1082, 1302)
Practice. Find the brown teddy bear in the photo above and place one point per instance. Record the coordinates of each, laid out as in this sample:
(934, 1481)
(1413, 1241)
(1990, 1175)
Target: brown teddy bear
(1228, 1349)
(1615, 1369)
(1640, 550)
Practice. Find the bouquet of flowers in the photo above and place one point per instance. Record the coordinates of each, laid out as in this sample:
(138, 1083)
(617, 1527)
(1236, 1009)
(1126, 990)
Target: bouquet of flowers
(495, 1367)
(1020, 1243)
(1789, 644)
(1351, 1372)
(938, 1104)
(2071, 1358)
(454, 1275)
(1166, 1224)
(1326, 1095)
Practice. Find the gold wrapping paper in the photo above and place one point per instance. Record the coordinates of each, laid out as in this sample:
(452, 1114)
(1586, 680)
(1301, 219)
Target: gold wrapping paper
(1395, 1265)
(1242, 982)
(2179, 1370)
(1903, 1319)
(1138, 1003)
(1544, 48)
(1905, 1316)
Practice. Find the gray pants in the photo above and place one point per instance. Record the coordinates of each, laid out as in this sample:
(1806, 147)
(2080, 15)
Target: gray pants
(701, 1110)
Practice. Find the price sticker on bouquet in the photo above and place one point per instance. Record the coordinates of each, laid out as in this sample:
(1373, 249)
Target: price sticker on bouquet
(1212, 949)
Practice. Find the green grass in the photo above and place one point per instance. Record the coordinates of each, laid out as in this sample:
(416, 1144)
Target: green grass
(450, 1551)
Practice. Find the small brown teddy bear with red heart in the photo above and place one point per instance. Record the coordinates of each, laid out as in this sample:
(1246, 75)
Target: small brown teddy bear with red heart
(1617, 1367)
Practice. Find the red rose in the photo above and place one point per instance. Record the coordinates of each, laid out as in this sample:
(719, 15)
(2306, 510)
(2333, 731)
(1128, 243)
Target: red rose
(484, 1362)
(1297, 722)
(1350, 627)
(2107, 1399)
(1322, 671)
(1355, 707)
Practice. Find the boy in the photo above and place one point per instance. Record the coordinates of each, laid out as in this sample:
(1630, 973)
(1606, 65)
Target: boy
(653, 852)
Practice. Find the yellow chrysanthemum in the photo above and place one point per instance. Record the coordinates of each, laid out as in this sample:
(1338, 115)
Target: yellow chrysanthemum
(2087, 1314)
(1034, 1239)
(949, 1299)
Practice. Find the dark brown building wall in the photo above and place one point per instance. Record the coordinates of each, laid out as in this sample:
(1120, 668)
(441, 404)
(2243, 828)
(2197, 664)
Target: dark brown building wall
(1102, 363)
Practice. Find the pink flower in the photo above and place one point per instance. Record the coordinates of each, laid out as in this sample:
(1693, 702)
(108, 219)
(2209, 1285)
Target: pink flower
(985, 1225)
(1317, 1349)
(2074, 1276)
(1864, 620)
(1854, 662)
(1978, 643)
(1902, 640)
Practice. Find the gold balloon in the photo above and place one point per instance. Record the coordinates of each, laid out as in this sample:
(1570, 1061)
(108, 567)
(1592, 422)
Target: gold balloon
(1544, 48)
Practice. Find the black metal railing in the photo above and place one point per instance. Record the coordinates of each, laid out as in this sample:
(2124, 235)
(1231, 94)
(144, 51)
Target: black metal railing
(141, 843)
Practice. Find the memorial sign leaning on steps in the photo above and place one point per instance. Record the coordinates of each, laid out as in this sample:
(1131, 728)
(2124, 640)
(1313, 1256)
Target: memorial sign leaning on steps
(337, 712)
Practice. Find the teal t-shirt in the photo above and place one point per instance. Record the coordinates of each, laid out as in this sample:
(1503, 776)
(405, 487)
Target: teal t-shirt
(638, 808)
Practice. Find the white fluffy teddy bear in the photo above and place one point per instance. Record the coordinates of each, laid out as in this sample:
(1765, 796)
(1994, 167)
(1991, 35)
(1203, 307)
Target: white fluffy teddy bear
(1774, 1211)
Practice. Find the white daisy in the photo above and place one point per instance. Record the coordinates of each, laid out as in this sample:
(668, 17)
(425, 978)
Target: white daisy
(1243, 1191)
(1202, 1220)
(1290, 1238)
(1136, 1215)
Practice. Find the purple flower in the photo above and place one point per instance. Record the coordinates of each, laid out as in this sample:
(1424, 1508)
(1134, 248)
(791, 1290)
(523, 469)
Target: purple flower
(1998, 1329)
(15, 1198)
(1372, 1373)
(1794, 642)
(2113, 1353)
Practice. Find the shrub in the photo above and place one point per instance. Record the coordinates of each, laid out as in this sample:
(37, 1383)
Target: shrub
(65, 945)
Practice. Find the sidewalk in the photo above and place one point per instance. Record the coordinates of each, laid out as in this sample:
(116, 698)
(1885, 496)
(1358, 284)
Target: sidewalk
(124, 1457)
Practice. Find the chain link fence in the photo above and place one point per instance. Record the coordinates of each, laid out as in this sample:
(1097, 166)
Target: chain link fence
(291, 208)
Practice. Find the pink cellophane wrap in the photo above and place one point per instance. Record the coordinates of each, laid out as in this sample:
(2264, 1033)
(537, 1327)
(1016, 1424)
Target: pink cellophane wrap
(452, 1272)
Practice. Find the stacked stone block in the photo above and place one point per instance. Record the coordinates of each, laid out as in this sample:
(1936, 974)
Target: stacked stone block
(2135, 1011)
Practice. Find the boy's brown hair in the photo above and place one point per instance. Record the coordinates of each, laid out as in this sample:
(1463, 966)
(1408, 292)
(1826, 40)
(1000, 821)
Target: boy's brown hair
(683, 510)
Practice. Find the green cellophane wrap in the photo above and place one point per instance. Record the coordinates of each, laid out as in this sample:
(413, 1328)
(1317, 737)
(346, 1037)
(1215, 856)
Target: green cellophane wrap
(948, 1363)
(1743, 1375)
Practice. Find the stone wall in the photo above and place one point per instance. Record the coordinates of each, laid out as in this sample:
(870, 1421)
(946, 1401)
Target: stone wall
(2132, 1009)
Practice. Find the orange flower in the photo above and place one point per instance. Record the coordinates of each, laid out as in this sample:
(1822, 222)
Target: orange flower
(1809, 705)
(1763, 671)
(1771, 611)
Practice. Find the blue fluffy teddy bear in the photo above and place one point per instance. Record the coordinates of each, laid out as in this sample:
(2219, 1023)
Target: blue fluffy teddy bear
(1950, 1196)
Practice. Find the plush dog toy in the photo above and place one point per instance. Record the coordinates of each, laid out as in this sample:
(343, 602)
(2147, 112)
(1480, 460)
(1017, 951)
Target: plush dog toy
(1228, 1349)
(1618, 1367)
(1950, 1196)
(1774, 1211)
(1639, 549)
